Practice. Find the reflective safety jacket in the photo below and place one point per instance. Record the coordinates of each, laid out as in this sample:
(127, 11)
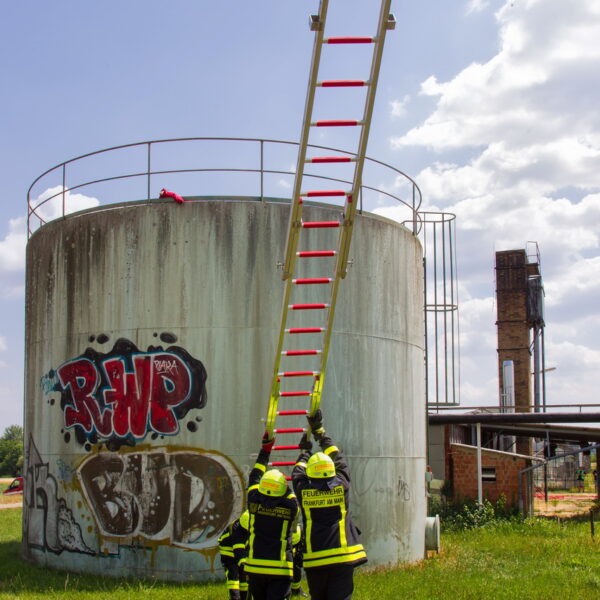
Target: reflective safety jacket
(233, 543)
(271, 523)
(331, 538)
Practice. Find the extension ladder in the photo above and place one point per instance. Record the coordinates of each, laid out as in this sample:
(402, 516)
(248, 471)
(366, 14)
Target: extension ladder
(296, 226)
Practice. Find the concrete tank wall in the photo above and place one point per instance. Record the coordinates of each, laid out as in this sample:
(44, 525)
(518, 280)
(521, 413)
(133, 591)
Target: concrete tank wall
(151, 330)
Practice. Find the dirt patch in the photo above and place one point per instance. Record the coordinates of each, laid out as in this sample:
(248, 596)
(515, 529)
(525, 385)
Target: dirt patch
(11, 499)
(564, 505)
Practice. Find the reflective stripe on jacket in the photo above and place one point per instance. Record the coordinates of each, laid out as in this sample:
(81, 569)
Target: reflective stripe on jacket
(331, 538)
(233, 541)
(271, 523)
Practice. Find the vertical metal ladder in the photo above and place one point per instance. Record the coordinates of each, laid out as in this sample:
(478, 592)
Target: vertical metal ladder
(296, 226)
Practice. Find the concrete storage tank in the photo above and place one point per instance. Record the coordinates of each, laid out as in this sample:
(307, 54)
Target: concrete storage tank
(151, 329)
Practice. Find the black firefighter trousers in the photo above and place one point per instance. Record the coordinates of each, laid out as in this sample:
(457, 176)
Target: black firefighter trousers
(330, 583)
(269, 587)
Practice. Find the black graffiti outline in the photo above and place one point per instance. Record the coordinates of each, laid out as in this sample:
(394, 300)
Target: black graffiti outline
(48, 523)
(125, 351)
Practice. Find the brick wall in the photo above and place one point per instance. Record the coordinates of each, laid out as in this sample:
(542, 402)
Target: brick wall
(513, 328)
(463, 461)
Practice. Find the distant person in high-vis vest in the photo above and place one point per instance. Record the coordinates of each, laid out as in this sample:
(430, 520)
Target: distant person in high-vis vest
(332, 547)
(273, 510)
(232, 547)
(580, 478)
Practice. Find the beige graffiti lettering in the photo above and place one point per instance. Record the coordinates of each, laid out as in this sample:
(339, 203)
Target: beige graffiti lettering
(183, 498)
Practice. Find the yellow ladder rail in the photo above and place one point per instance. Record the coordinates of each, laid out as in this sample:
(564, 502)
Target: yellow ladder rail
(296, 225)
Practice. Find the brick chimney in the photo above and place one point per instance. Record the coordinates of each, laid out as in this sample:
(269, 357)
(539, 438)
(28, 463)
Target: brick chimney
(514, 343)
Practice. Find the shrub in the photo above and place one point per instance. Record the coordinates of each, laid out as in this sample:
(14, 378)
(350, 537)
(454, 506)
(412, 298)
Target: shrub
(469, 514)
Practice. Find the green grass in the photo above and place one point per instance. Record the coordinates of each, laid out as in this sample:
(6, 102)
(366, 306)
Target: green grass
(537, 560)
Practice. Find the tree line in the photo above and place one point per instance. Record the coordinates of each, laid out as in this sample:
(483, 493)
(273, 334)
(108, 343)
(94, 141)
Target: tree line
(11, 451)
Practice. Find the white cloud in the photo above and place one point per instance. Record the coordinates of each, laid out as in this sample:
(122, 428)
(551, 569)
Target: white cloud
(13, 291)
(532, 91)
(576, 356)
(12, 247)
(11, 406)
(477, 6)
(52, 203)
(478, 352)
(481, 393)
(516, 142)
(398, 107)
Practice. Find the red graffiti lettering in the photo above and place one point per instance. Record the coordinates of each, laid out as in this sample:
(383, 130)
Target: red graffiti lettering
(80, 377)
(132, 401)
(126, 393)
(129, 394)
(151, 390)
(170, 387)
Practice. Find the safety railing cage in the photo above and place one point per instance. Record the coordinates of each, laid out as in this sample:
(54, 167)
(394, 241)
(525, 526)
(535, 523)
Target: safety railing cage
(263, 169)
(442, 329)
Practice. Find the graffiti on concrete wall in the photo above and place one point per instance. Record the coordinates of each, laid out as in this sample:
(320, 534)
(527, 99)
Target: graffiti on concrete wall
(48, 524)
(131, 495)
(183, 498)
(367, 482)
(124, 394)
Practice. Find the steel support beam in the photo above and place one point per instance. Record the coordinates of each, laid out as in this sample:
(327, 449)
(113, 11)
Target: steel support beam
(514, 418)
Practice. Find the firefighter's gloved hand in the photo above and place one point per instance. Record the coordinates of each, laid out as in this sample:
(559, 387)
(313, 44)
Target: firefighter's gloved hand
(316, 423)
(267, 442)
(305, 444)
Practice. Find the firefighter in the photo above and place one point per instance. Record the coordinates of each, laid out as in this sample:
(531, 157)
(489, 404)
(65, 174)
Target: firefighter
(232, 547)
(331, 547)
(273, 511)
(297, 550)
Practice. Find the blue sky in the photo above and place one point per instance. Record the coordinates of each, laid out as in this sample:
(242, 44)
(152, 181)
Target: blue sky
(490, 105)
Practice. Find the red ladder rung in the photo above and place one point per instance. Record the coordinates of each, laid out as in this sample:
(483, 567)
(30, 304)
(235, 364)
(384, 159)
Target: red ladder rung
(298, 373)
(320, 224)
(295, 447)
(290, 430)
(343, 83)
(330, 159)
(312, 280)
(290, 413)
(282, 463)
(316, 253)
(305, 330)
(349, 40)
(323, 193)
(291, 394)
(307, 306)
(301, 352)
(336, 123)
